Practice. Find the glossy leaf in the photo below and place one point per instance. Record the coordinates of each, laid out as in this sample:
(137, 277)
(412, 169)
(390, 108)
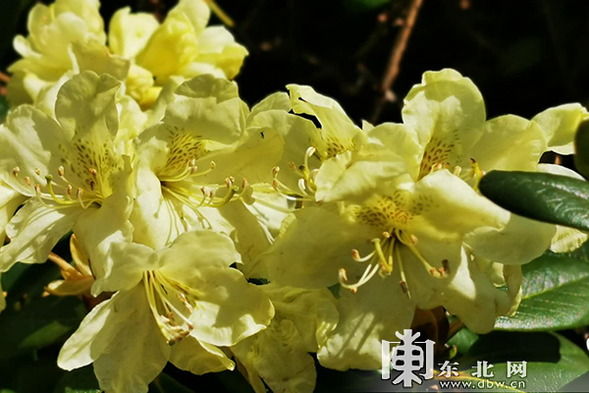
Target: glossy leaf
(555, 293)
(552, 360)
(463, 340)
(541, 196)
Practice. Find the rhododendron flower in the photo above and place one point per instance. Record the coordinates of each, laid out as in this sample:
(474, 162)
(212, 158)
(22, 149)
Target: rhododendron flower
(302, 320)
(69, 171)
(185, 295)
(205, 154)
(399, 223)
(67, 37)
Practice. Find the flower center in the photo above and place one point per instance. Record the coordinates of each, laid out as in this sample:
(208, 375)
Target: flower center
(394, 213)
(306, 184)
(181, 188)
(171, 304)
(385, 256)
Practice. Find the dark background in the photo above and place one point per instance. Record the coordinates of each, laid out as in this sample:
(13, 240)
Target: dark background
(524, 56)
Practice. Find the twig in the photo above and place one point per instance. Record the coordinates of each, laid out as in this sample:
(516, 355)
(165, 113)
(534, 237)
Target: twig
(397, 53)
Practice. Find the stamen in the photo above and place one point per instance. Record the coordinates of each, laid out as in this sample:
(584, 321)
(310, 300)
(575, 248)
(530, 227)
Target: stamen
(383, 262)
(403, 282)
(411, 245)
(308, 154)
(49, 179)
(168, 317)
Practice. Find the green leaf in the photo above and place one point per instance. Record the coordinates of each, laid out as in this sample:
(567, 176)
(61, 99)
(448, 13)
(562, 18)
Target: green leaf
(555, 293)
(552, 360)
(540, 196)
(38, 324)
(582, 149)
(463, 340)
(81, 380)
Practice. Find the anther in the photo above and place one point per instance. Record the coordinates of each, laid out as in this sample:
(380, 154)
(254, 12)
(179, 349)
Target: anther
(356, 255)
(38, 171)
(342, 275)
(93, 172)
(213, 165)
(292, 166)
(80, 193)
(275, 171)
(69, 189)
(15, 171)
(244, 183)
(61, 171)
(413, 239)
(38, 189)
(386, 234)
(28, 180)
(404, 286)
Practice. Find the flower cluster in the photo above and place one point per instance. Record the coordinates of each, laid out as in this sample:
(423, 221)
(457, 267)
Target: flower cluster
(219, 235)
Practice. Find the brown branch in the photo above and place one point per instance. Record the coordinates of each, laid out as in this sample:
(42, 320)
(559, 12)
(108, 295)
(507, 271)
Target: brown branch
(394, 66)
(4, 78)
(455, 327)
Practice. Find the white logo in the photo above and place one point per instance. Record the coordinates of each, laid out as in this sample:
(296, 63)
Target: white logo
(408, 358)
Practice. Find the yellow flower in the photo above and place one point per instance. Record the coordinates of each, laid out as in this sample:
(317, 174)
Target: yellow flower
(280, 355)
(68, 170)
(68, 37)
(185, 295)
(396, 220)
